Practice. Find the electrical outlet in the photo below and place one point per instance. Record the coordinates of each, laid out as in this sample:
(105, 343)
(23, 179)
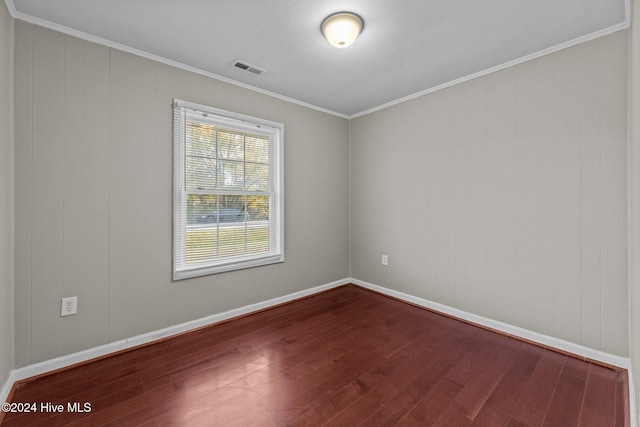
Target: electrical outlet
(69, 306)
(385, 260)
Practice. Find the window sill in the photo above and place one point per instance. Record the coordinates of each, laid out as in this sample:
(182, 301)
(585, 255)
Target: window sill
(231, 265)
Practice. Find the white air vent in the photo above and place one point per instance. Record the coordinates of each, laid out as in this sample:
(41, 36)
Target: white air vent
(248, 67)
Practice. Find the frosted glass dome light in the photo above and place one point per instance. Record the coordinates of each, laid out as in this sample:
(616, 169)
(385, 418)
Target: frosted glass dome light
(342, 28)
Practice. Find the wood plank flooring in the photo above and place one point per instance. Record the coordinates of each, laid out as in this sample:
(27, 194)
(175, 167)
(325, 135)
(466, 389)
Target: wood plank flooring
(345, 357)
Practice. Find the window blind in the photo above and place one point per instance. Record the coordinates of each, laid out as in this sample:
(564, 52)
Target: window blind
(227, 191)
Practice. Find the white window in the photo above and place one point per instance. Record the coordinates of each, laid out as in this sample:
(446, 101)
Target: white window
(228, 194)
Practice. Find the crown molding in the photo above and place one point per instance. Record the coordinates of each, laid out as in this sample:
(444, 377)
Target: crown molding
(538, 54)
(124, 48)
(105, 42)
(11, 8)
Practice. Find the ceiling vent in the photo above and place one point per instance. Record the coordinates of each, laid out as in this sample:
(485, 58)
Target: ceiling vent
(248, 67)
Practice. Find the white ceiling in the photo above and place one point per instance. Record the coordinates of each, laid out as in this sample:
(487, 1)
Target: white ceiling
(407, 46)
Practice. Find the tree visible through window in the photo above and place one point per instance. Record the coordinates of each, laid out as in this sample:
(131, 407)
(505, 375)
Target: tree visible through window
(227, 191)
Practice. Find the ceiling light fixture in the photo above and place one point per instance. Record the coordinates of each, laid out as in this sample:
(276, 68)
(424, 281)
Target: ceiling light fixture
(342, 28)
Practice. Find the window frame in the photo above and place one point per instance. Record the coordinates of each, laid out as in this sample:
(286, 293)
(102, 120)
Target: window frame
(234, 121)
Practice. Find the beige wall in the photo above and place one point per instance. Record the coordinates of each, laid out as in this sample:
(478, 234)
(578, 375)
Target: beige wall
(93, 196)
(6, 195)
(505, 196)
(634, 193)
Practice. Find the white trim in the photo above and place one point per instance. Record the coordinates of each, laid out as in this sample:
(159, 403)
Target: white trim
(124, 48)
(600, 356)
(11, 8)
(633, 412)
(102, 350)
(233, 118)
(185, 112)
(99, 40)
(226, 267)
(508, 64)
(6, 388)
(92, 353)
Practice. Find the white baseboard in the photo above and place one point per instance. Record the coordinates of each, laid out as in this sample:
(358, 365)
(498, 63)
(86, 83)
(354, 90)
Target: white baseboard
(6, 388)
(600, 356)
(633, 409)
(92, 353)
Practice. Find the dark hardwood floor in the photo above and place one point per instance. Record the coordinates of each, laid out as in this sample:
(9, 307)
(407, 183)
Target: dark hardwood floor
(345, 357)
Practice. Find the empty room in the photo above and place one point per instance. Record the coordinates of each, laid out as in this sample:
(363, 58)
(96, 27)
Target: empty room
(340, 213)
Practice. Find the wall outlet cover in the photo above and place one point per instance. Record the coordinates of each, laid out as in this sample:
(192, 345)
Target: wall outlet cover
(69, 306)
